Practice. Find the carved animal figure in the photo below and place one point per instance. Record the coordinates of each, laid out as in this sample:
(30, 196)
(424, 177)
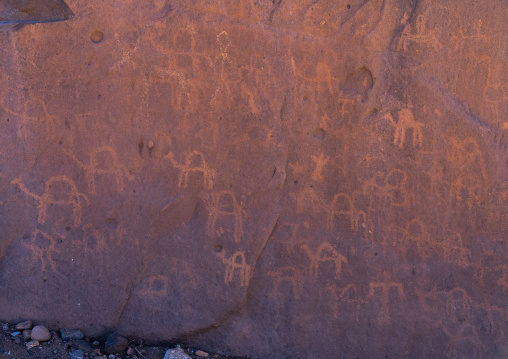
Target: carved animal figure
(406, 121)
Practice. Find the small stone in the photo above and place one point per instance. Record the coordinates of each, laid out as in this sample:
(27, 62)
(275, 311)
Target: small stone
(27, 324)
(111, 356)
(55, 337)
(150, 145)
(40, 333)
(55, 352)
(131, 352)
(177, 353)
(27, 334)
(96, 36)
(76, 354)
(5, 327)
(68, 334)
(95, 343)
(15, 333)
(115, 344)
(32, 344)
(82, 345)
(16, 340)
(201, 354)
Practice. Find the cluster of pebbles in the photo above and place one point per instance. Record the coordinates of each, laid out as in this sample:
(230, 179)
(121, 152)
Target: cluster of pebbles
(77, 346)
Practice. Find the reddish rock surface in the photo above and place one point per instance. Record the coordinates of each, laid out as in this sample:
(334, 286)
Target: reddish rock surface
(266, 178)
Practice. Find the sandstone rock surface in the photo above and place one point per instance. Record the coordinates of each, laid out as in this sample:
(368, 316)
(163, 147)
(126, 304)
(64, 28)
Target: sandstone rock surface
(265, 178)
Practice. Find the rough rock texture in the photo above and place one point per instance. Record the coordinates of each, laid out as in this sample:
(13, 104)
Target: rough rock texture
(269, 178)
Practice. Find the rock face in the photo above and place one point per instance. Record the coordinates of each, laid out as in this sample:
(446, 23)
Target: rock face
(266, 178)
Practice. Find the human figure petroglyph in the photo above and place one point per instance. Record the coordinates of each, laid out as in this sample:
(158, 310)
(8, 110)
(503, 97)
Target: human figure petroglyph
(48, 197)
(111, 165)
(495, 92)
(320, 162)
(467, 186)
(294, 275)
(466, 155)
(385, 287)
(183, 58)
(387, 189)
(181, 87)
(323, 77)
(467, 189)
(320, 79)
(454, 251)
(291, 238)
(344, 102)
(223, 205)
(461, 38)
(422, 35)
(343, 204)
(236, 264)
(324, 253)
(406, 121)
(349, 295)
(223, 44)
(194, 162)
(98, 241)
(44, 255)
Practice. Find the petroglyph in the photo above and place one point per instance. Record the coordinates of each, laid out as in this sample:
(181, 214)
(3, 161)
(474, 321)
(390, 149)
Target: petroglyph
(100, 241)
(103, 161)
(349, 297)
(290, 239)
(294, 275)
(422, 35)
(50, 198)
(467, 186)
(320, 161)
(385, 287)
(387, 190)
(406, 121)
(467, 189)
(42, 247)
(461, 38)
(194, 163)
(324, 253)
(467, 156)
(223, 44)
(27, 107)
(313, 81)
(343, 204)
(344, 103)
(236, 264)
(495, 92)
(223, 205)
